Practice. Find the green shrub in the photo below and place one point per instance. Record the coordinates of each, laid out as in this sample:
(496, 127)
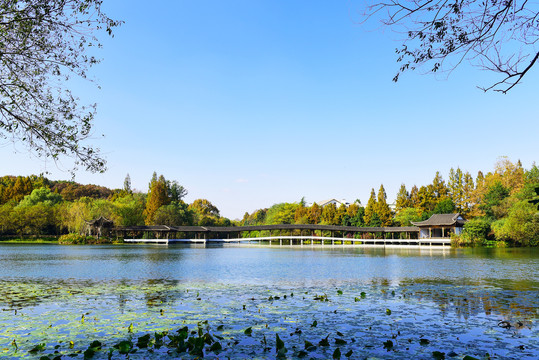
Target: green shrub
(75, 239)
(475, 232)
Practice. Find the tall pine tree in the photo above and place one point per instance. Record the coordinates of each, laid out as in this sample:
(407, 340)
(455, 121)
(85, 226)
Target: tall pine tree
(157, 197)
(403, 199)
(370, 210)
(382, 208)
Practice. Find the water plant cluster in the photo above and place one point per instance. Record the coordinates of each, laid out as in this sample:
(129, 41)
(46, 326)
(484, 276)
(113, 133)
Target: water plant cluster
(157, 319)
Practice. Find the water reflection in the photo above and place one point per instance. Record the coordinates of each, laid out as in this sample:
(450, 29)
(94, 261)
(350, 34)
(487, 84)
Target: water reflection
(462, 298)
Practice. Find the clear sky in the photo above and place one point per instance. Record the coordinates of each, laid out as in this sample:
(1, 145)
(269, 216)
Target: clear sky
(254, 102)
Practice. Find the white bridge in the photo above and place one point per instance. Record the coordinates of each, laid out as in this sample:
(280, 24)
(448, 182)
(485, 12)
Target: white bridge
(302, 241)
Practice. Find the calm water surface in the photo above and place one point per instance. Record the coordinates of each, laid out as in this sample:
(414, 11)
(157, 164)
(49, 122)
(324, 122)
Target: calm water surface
(460, 302)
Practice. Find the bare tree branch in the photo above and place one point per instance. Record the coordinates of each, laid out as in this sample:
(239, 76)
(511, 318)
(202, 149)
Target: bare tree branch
(496, 35)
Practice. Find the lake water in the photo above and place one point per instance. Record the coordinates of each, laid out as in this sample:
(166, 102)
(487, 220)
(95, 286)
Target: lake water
(348, 302)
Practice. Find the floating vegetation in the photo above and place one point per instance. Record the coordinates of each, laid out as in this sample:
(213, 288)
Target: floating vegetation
(203, 317)
(114, 319)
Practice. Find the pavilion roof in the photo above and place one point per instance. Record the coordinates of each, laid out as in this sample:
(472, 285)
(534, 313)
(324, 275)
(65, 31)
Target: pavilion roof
(100, 221)
(442, 220)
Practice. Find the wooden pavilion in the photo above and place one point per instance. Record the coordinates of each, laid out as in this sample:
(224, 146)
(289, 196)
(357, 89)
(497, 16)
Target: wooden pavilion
(440, 226)
(99, 227)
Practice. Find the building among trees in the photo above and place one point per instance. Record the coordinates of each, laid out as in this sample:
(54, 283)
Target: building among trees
(440, 226)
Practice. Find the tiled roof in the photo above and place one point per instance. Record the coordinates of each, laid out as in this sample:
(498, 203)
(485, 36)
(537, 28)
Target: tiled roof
(442, 220)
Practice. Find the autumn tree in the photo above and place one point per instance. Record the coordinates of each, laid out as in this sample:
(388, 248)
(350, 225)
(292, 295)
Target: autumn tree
(302, 214)
(512, 175)
(44, 44)
(157, 197)
(498, 36)
(71, 190)
(414, 199)
(315, 212)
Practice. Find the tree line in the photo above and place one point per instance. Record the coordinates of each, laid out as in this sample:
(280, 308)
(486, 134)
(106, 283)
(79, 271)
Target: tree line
(35, 205)
(500, 206)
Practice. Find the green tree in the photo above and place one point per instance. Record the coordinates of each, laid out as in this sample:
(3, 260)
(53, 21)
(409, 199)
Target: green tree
(176, 213)
(128, 210)
(74, 214)
(329, 213)
(204, 207)
(407, 215)
(382, 208)
(403, 199)
(282, 213)
(521, 226)
(175, 191)
(256, 218)
(359, 218)
(38, 219)
(493, 198)
(127, 184)
(41, 195)
(375, 221)
(455, 186)
(45, 43)
(438, 187)
(467, 194)
(532, 175)
(370, 210)
(476, 231)
(425, 200)
(414, 199)
(445, 206)
(342, 211)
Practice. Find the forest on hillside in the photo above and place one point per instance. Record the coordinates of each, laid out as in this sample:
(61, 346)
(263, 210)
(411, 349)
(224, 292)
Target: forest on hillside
(500, 206)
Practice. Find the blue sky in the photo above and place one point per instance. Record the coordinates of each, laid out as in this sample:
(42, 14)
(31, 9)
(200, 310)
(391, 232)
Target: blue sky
(250, 103)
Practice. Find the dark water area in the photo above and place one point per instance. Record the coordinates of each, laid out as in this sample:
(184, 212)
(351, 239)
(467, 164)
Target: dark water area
(482, 303)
